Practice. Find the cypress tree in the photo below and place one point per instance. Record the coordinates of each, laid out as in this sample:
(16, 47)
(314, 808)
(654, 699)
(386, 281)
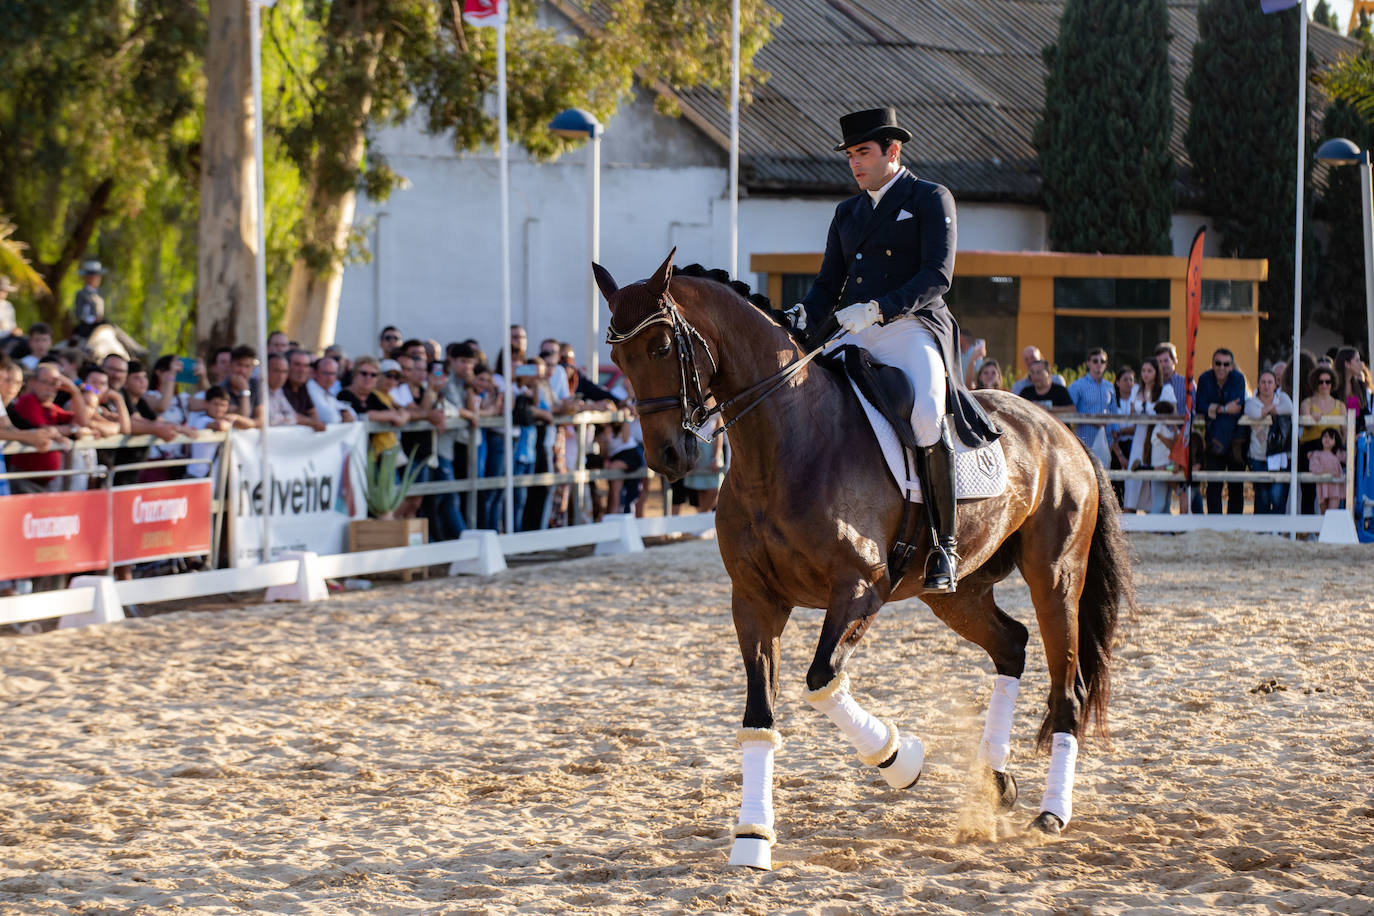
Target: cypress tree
(1337, 288)
(1242, 139)
(1103, 139)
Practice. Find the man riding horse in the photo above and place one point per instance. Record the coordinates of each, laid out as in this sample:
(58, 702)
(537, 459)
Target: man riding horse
(889, 259)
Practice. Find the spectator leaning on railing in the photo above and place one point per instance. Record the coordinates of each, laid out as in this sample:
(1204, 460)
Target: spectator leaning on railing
(1269, 445)
(1093, 394)
(1221, 393)
(35, 409)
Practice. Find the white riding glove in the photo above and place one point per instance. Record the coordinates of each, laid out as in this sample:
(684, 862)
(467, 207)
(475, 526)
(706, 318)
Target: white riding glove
(860, 315)
(796, 316)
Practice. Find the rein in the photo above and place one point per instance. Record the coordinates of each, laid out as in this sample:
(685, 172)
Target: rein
(691, 397)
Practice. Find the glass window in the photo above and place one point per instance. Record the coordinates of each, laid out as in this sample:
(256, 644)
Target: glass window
(1227, 295)
(1110, 294)
(985, 308)
(1126, 340)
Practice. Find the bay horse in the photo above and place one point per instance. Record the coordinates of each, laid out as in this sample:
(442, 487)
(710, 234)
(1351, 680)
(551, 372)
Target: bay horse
(807, 514)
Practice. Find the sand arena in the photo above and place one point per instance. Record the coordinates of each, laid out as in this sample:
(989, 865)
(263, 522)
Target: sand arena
(560, 739)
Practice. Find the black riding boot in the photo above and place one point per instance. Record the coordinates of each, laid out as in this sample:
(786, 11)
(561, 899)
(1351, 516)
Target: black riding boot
(935, 465)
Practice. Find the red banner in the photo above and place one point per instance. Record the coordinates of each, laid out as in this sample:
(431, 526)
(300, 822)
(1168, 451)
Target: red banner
(52, 533)
(159, 520)
(1193, 297)
(484, 12)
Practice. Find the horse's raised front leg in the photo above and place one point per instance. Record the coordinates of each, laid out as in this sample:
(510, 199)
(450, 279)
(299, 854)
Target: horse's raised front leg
(759, 621)
(974, 615)
(849, 615)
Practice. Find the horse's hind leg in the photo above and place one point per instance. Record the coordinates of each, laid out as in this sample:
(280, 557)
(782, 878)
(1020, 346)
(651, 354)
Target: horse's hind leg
(851, 611)
(976, 617)
(1052, 566)
(759, 623)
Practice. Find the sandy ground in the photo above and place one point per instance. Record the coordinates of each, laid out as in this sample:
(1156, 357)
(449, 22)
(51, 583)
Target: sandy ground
(561, 739)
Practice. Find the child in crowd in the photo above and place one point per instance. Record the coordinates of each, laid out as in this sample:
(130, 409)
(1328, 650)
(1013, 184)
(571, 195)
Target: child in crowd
(215, 418)
(1161, 443)
(1328, 460)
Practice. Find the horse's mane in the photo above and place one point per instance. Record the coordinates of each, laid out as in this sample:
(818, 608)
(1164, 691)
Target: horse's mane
(758, 300)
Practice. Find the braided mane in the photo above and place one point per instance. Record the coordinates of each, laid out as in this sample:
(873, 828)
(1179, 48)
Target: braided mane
(758, 300)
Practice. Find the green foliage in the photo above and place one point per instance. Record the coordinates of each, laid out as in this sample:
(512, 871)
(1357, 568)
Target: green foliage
(1322, 14)
(1103, 139)
(384, 492)
(1337, 290)
(1242, 139)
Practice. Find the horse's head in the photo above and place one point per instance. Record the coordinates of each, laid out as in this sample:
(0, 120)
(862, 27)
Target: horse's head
(667, 363)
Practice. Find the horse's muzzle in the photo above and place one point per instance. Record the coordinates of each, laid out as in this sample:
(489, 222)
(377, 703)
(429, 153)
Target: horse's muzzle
(676, 458)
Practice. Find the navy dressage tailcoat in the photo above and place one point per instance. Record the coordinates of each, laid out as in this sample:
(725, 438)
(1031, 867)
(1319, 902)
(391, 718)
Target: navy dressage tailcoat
(902, 256)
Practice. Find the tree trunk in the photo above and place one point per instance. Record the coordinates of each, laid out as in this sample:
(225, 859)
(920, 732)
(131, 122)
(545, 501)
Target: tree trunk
(312, 299)
(226, 311)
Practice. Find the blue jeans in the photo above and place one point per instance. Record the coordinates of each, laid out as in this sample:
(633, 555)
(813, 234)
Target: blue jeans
(518, 494)
(1159, 496)
(445, 512)
(1270, 498)
(489, 514)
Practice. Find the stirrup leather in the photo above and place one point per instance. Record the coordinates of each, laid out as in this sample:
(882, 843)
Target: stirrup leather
(935, 464)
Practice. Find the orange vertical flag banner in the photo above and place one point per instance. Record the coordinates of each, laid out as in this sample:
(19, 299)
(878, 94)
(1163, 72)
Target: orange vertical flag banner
(1193, 301)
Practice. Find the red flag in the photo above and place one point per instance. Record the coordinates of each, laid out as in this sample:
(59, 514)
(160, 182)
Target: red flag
(1193, 291)
(484, 12)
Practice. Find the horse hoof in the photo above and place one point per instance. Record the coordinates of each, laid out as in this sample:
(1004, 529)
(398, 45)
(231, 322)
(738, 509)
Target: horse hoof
(1048, 824)
(904, 769)
(752, 852)
(1005, 784)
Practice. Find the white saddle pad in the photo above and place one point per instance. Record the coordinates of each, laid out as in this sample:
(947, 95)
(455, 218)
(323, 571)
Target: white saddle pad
(978, 472)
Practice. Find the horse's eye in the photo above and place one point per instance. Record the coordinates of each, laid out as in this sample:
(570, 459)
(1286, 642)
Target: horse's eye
(662, 350)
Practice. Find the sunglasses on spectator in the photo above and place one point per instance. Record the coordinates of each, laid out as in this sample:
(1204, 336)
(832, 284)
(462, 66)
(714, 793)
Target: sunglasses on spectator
(391, 337)
(1326, 381)
(547, 353)
(394, 375)
(1220, 365)
(365, 374)
(1097, 359)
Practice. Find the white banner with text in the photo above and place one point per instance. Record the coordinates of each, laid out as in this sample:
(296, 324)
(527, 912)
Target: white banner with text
(318, 485)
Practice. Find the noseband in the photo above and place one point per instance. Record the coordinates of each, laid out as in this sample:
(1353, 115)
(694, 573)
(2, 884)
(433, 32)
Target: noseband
(691, 397)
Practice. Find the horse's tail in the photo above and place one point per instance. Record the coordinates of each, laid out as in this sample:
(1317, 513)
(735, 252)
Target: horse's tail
(1108, 597)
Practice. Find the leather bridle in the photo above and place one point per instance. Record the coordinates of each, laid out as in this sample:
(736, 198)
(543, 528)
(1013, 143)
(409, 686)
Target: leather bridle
(692, 396)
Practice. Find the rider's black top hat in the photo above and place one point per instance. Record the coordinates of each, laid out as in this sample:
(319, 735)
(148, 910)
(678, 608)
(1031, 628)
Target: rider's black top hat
(871, 124)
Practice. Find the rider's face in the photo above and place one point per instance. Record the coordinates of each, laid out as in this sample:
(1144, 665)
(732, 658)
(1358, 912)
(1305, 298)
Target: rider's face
(871, 167)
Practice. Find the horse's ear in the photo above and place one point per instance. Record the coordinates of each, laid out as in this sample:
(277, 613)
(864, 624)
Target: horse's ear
(604, 281)
(658, 283)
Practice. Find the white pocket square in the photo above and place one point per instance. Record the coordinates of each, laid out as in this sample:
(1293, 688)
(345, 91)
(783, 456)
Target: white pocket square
(901, 215)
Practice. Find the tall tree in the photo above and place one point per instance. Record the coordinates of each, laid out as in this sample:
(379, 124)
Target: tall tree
(1322, 14)
(380, 60)
(1242, 139)
(1103, 139)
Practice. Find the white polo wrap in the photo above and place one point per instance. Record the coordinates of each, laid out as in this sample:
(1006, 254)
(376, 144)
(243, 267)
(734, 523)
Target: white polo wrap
(1058, 798)
(995, 748)
(756, 767)
(874, 739)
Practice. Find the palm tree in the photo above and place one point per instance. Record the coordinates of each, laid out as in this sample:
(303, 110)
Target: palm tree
(14, 264)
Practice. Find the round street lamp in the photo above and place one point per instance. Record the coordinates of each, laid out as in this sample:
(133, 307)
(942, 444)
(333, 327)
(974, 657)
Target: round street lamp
(1340, 151)
(576, 123)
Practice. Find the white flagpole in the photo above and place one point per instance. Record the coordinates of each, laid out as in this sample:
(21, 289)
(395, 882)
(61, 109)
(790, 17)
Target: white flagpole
(734, 139)
(509, 501)
(1294, 494)
(260, 262)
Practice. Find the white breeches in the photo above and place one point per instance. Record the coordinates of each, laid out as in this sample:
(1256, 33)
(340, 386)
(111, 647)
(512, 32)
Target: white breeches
(909, 345)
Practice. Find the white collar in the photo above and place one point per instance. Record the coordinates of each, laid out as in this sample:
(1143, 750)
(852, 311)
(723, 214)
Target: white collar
(878, 194)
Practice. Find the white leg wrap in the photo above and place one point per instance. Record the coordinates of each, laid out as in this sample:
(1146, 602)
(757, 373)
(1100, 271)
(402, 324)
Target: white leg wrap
(995, 749)
(1058, 798)
(756, 799)
(874, 739)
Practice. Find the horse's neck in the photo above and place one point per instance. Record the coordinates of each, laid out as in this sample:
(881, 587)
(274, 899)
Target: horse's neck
(750, 348)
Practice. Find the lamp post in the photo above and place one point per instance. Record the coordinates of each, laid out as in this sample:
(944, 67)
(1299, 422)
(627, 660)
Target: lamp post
(1340, 151)
(576, 123)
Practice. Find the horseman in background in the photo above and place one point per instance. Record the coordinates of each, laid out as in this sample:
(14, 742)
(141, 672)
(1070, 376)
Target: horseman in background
(889, 259)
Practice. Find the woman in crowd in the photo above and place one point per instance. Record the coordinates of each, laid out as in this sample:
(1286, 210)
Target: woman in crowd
(1353, 386)
(1144, 396)
(1269, 447)
(1122, 435)
(1321, 406)
(363, 399)
(989, 375)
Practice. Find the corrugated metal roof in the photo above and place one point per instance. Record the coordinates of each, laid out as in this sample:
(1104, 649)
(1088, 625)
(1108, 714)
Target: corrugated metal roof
(966, 76)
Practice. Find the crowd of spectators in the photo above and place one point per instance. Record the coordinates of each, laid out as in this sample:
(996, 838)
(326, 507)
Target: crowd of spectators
(56, 397)
(1329, 385)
